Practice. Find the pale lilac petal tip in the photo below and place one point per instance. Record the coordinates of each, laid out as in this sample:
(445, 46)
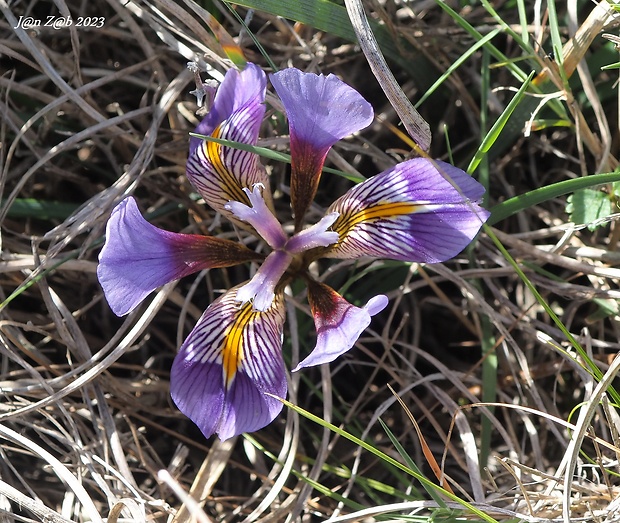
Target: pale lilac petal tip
(261, 288)
(228, 368)
(338, 323)
(315, 236)
(376, 304)
(258, 215)
(321, 109)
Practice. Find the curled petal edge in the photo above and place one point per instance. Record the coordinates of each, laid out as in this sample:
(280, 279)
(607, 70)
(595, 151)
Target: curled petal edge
(338, 323)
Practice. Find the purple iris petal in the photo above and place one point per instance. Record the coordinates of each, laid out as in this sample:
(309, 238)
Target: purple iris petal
(259, 216)
(228, 364)
(238, 90)
(138, 257)
(321, 110)
(420, 210)
(261, 288)
(338, 322)
(219, 173)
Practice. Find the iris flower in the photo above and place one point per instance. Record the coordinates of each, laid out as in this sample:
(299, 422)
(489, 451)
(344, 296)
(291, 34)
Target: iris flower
(229, 372)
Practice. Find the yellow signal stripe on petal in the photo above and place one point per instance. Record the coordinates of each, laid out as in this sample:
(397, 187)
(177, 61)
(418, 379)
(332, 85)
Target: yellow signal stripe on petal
(228, 182)
(232, 348)
(346, 222)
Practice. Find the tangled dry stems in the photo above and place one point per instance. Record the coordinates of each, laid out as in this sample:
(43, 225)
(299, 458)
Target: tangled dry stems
(87, 427)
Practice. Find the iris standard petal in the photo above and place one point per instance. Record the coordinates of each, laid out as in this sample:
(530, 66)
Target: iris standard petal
(138, 257)
(228, 364)
(219, 173)
(338, 322)
(321, 110)
(420, 210)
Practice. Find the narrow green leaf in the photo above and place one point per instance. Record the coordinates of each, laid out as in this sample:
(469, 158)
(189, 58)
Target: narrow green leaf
(556, 40)
(523, 19)
(520, 39)
(272, 155)
(477, 35)
(407, 458)
(543, 194)
(588, 364)
(489, 362)
(606, 308)
(540, 124)
(388, 459)
(37, 277)
(315, 484)
(457, 63)
(514, 127)
(333, 18)
(40, 209)
(495, 131)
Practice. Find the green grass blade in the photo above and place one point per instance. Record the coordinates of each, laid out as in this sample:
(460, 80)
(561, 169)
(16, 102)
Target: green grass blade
(489, 388)
(321, 14)
(489, 362)
(526, 200)
(272, 155)
(498, 126)
(556, 40)
(523, 19)
(518, 73)
(588, 364)
(388, 459)
(36, 278)
(520, 39)
(251, 34)
(407, 458)
(40, 209)
(332, 18)
(457, 63)
(514, 126)
(315, 485)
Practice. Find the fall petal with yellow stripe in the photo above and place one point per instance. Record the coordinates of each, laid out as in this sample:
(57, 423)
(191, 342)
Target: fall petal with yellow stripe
(220, 173)
(420, 210)
(228, 363)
